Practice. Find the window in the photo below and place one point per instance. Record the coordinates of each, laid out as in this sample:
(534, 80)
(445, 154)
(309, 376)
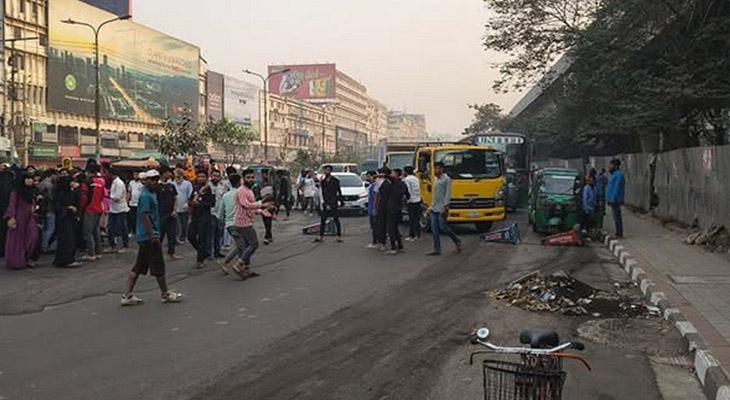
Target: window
(22, 6)
(68, 136)
(88, 132)
(470, 164)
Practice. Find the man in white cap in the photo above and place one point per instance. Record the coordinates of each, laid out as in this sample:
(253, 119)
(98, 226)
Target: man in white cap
(149, 255)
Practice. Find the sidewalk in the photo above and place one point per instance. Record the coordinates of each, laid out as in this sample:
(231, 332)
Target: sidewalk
(695, 281)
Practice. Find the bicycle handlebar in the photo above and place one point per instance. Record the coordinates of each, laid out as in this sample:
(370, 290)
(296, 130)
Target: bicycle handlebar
(526, 350)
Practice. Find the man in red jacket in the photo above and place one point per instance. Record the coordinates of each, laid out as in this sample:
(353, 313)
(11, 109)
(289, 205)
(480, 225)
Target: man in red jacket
(91, 203)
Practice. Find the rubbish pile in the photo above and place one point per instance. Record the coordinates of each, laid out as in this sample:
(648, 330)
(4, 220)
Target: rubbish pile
(561, 293)
(714, 238)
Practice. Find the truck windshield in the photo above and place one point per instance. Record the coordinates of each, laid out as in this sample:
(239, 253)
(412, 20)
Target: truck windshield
(400, 160)
(558, 184)
(470, 164)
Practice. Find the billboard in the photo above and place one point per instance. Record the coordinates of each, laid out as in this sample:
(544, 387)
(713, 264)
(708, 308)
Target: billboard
(145, 76)
(314, 82)
(214, 95)
(241, 102)
(116, 7)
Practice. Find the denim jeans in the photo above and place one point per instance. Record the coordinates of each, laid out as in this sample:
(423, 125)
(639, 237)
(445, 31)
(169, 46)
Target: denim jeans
(49, 227)
(182, 225)
(118, 227)
(92, 233)
(439, 226)
(215, 237)
(246, 243)
(617, 220)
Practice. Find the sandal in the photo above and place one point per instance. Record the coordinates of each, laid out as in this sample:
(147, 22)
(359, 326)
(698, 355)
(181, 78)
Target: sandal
(239, 272)
(249, 273)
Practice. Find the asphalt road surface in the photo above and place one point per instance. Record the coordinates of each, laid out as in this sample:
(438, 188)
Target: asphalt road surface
(324, 321)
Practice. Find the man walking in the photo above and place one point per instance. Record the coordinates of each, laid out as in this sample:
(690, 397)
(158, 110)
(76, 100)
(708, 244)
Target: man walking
(439, 210)
(149, 255)
(46, 209)
(201, 202)
(227, 217)
(167, 199)
(242, 231)
(589, 205)
(615, 195)
(331, 197)
(383, 189)
(184, 191)
(118, 210)
(309, 190)
(414, 204)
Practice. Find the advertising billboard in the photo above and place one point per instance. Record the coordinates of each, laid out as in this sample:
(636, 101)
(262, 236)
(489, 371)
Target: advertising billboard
(241, 102)
(314, 82)
(214, 95)
(116, 7)
(145, 76)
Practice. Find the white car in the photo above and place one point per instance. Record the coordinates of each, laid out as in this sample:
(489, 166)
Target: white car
(354, 193)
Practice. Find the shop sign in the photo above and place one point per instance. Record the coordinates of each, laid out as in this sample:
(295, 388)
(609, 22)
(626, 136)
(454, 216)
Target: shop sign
(69, 151)
(44, 151)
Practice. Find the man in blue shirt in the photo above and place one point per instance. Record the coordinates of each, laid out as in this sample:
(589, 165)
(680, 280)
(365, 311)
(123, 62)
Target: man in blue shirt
(615, 195)
(589, 203)
(372, 207)
(149, 255)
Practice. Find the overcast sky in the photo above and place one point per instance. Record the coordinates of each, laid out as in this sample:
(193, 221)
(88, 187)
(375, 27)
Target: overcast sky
(421, 56)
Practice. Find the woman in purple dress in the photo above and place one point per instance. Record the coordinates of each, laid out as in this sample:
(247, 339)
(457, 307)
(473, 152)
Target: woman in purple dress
(22, 233)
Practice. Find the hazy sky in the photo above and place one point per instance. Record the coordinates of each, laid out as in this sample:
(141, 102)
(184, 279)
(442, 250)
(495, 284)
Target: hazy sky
(421, 56)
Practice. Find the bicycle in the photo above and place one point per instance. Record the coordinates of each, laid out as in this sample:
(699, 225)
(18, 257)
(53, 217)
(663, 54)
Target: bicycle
(538, 376)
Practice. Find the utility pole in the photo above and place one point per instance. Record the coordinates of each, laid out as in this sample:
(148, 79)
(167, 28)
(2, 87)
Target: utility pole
(97, 98)
(265, 81)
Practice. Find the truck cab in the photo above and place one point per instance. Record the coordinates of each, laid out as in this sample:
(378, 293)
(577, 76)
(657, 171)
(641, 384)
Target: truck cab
(478, 194)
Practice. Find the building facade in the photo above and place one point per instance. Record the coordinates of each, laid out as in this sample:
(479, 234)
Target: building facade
(299, 125)
(48, 124)
(404, 127)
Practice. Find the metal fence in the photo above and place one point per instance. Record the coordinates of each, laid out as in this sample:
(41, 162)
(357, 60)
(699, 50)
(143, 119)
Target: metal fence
(688, 184)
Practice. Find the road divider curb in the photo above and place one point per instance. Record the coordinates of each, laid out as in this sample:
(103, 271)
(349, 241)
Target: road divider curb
(715, 381)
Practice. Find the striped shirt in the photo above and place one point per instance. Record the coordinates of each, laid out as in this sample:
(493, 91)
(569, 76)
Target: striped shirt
(245, 207)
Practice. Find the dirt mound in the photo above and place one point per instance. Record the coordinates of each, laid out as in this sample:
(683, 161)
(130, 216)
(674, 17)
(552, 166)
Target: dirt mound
(561, 293)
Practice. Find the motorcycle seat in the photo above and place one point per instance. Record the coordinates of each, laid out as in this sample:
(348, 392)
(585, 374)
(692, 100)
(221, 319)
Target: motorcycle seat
(539, 338)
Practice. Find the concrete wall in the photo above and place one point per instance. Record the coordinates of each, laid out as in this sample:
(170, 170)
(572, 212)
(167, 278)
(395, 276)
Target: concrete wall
(692, 183)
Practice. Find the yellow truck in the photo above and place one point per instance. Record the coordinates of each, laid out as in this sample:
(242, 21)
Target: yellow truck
(478, 192)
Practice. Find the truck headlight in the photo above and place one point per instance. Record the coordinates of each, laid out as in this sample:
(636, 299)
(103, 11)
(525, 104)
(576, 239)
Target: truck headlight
(501, 197)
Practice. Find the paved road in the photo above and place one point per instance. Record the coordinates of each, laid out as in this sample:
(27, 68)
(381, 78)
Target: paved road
(330, 321)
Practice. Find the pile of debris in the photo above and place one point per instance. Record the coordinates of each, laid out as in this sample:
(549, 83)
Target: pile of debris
(561, 293)
(714, 238)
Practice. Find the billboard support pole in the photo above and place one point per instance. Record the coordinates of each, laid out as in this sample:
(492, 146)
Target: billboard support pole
(265, 82)
(97, 99)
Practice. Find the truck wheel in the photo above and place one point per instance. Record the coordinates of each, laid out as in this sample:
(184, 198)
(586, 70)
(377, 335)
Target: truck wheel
(484, 227)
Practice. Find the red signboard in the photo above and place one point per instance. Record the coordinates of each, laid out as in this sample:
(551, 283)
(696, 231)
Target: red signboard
(314, 82)
(69, 151)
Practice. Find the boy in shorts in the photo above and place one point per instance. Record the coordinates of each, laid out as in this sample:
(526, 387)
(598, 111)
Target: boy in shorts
(149, 255)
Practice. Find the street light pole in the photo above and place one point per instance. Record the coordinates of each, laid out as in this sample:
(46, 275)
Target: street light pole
(265, 81)
(97, 98)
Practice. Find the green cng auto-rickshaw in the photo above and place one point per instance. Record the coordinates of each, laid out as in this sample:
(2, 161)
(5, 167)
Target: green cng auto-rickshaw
(554, 204)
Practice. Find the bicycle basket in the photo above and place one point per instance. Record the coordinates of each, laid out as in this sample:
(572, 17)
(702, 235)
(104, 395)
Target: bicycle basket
(505, 380)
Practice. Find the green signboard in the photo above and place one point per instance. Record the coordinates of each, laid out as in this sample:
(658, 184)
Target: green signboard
(44, 151)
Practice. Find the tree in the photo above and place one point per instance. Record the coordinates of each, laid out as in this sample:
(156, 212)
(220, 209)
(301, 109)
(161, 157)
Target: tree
(182, 136)
(487, 117)
(233, 138)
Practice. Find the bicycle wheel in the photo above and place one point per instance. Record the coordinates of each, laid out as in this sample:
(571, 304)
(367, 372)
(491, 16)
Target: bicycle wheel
(503, 380)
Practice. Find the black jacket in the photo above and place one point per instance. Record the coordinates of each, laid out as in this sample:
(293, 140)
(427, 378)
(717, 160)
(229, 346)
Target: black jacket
(206, 201)
(331, 192)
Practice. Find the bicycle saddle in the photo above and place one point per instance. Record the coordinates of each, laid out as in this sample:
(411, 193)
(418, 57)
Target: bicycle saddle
(539, 338)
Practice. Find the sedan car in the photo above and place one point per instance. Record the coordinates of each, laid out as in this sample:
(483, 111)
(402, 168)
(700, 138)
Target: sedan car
(354, 193)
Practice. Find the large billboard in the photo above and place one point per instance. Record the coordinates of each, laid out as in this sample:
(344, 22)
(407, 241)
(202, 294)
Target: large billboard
(145, 76)
(314, 82)
(117, 7)
(214, 95)
(241, 102)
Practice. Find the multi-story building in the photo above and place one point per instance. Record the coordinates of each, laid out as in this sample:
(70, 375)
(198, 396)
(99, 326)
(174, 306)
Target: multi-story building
(49, 101)
(404, 127)
(377, 122)
(299, 125)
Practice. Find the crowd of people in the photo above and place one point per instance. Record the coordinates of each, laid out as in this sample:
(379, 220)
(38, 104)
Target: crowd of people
(98, 209)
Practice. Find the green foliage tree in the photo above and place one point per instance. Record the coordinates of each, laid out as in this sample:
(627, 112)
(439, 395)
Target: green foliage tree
(182, 136)
(233, 138)
(635, 70)
(487, 117)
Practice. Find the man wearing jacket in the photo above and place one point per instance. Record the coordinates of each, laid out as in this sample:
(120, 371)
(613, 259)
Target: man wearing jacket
(331, 198)
(201, 202)
(615, 195)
